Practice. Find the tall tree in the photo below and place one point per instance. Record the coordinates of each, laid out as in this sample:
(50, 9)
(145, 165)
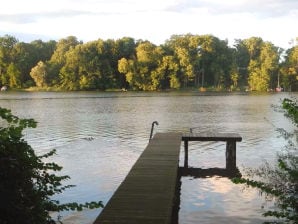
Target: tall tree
(289, 69)
(269, 58)
(7, 44)
(24, 60)
(263, 63)
(141, 71)
(186, 50)
(242, 59)
(14, 76)
(166, 75)
(58, 59)
(69, 73)
(39, 74)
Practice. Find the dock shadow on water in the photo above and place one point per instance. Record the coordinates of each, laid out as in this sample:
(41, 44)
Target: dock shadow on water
(198, 173)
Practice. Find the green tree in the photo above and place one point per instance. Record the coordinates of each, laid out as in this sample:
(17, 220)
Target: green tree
(221, 64)
(185, 51)
(127, 68)
(58, 59)
(24, 56)
(14, 76)
(269, 58)
(202, 59)
(257, 80)
(41, 51)
(39, 74)
(167, 74)
(23, 60)
(263, 63)
(126, 49)
(289, 69)
(123, 65)
(62, 47)
(280, 180)
(69, 73)
(242, 60)
(27, 183)
(7, 44)
(235, 76)
(141, 70)
(107, 64)
(89, 66)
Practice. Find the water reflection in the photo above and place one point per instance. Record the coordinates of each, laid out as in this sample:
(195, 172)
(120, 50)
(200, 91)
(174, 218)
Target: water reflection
(201, 200)
(204, 200)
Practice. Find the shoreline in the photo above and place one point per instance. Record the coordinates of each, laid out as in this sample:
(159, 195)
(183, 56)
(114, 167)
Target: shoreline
(190, 89)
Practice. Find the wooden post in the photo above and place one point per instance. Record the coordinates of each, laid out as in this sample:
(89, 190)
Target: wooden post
(231, 155)
(185, 153)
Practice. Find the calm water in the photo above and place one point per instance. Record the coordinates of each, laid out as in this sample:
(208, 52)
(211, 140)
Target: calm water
(99, 136)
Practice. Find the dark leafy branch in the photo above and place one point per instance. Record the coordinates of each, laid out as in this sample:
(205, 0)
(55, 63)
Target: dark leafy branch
(27, 183)
(280, 180)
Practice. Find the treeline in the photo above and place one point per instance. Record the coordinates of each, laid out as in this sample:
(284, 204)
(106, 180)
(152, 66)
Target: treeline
(183, 61)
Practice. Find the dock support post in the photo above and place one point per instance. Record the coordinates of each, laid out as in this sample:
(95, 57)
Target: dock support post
(231, 155)
(185, 154)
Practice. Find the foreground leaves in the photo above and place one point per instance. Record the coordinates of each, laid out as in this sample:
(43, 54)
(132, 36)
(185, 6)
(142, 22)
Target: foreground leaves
(27, 183)
(280, 180)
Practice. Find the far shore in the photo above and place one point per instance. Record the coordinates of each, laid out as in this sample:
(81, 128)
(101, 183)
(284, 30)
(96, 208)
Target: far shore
(188, 89)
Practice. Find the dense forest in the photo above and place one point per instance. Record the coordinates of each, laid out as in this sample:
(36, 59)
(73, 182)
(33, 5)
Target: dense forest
(183, 61)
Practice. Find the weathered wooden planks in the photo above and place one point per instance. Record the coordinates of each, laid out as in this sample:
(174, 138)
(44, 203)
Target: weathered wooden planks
(147, 193)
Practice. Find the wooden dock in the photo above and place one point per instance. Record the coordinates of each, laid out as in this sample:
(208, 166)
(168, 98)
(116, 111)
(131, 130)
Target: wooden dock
(148, 192)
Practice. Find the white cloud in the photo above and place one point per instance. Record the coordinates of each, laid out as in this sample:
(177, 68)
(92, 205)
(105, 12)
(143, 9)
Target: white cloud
(155, 20)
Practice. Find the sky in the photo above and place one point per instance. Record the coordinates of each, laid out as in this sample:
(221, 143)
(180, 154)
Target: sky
(154, 20)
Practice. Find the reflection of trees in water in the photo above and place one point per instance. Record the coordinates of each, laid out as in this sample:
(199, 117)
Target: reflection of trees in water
(198, 173)
(280, 180)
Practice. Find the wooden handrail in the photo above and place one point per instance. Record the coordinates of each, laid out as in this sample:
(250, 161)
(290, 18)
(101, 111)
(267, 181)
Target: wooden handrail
(229, 138)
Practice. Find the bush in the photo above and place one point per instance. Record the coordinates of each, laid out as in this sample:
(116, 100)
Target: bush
(280, 180)
(27, 184)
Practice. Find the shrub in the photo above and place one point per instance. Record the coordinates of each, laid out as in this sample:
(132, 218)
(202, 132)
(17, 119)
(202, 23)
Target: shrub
(27, 184)
(280, 180)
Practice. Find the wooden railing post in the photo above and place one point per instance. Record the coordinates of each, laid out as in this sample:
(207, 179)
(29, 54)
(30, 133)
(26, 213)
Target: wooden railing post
(231, 155)
(185, 153)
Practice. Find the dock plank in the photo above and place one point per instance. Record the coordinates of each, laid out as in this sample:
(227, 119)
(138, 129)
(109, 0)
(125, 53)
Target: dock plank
(147, 193)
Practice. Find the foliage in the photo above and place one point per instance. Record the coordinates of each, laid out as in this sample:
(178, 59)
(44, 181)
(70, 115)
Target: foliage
(39, 74)
(291, 106)
(182, 61)
(27, 183)
(262, 58)
(14, 76)
(281, 180)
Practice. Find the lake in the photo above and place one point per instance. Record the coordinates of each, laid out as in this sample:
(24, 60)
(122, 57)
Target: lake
(99, 136)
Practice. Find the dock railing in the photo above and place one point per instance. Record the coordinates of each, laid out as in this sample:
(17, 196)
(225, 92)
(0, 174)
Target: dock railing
(229, 138)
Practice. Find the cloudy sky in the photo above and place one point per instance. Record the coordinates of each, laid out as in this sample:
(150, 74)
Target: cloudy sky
(153, 20)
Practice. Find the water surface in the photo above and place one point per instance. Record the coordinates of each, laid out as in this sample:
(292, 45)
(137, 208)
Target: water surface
(99, 136)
